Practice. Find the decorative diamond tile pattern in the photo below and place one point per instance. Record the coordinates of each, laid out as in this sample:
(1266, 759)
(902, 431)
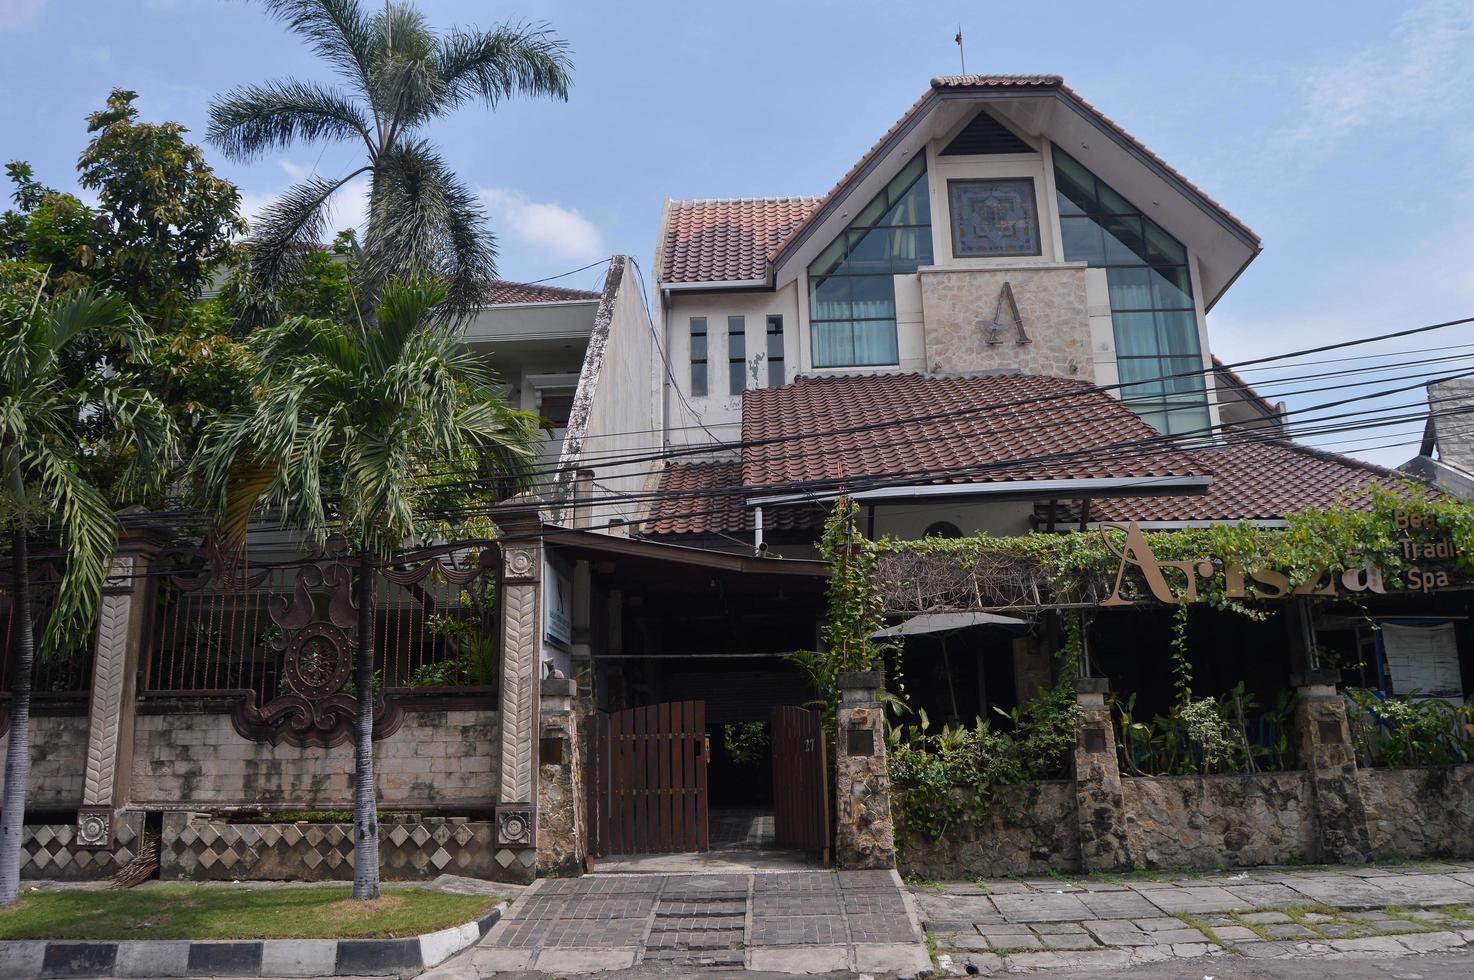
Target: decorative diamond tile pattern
(195, 846)
(51, 851)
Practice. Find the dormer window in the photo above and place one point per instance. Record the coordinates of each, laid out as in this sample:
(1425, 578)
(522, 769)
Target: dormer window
(852, 293)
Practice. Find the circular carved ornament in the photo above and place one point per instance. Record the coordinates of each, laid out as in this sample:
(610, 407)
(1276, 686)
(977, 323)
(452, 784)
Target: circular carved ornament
(319, 660)
(519, 562)
(516, 827)
(92, 829)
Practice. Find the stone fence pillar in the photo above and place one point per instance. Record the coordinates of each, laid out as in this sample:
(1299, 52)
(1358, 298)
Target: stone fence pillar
(121, 618)
(522, 634)
(560, 836)
(1100, 804)
(1323, 737)
(865, 836)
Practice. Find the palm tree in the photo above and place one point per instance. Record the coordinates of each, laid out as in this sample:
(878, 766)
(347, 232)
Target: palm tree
(396, 75)
(41, 443)
(358, 411)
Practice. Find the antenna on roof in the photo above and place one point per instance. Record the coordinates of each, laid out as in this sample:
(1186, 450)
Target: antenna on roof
(960, 53)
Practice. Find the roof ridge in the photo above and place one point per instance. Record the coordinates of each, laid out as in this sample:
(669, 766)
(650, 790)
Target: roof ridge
(1322, 454)
(768, 199)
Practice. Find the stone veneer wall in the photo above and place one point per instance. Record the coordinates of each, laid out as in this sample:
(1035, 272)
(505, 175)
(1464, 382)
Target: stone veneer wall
(1030, 830)
(1219, 821)
(196, 759)
(1419, 813)
(958, 303)
(58, 760)
(196, 846)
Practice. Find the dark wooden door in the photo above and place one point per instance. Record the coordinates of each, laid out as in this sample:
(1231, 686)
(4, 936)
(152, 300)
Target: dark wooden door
(800, 780)
(647, 791)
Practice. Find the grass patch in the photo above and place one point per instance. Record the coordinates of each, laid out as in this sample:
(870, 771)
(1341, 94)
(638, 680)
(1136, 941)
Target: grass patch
(981, 885)
(1193, 922)
(184, 911)
(916, 881)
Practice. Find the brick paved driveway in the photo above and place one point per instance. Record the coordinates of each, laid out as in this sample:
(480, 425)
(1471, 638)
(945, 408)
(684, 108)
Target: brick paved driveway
(802, 921)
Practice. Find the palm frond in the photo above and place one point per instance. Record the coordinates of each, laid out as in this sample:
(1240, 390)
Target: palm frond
(515, 59)
(406, 306)
(257, 119)
(404, 82)
(336, 29)
(289, 225)
(426, 221)
(87, 309)
(89, 534)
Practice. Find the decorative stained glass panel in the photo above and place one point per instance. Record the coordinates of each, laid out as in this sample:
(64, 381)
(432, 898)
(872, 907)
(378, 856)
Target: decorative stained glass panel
(993, 217)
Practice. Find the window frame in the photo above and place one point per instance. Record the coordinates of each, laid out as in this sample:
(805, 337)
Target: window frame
(736, 358)
(776, 362)
(699, 364)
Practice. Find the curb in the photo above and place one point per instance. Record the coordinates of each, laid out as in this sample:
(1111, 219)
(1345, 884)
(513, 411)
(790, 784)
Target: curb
(24, 959)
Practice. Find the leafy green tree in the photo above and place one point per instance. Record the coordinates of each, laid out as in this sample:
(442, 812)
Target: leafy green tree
(44, 486)
(172, 220)
(396, 76)
(352, 413)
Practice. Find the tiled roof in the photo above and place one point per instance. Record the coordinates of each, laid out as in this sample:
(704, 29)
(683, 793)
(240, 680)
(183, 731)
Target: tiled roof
(1059, 431)
(691, 502)
(717, 240)
(724, 240)
(1256, 479)
(504, 293)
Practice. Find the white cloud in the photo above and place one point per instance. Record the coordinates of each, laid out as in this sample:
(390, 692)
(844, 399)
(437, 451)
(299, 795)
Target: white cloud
(546, 227)
(1420, 74)
(17, 15)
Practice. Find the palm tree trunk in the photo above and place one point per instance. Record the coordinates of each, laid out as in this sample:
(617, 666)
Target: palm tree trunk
(365, 798)
(18, 753)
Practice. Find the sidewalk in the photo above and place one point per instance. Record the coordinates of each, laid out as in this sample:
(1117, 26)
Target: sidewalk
(1118, 921)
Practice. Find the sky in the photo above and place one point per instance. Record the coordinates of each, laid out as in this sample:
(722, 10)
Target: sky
(1341, 132)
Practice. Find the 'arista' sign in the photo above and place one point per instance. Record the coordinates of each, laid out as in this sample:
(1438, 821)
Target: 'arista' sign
(1271, 583)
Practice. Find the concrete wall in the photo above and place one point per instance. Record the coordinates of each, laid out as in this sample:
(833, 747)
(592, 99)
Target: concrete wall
(58, 760)
(616, 411)
(1029, 830)
(1418, 813)
(436, 758)
(720, 410)
(1220, 821)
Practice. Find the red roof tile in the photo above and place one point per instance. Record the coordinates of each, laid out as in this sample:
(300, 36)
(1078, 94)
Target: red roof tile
(1258, 480)
(724, 240)
(504, 293)
(944, 425)
(691, 501)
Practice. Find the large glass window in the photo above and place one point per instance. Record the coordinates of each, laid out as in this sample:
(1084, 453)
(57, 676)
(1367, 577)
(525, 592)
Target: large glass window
(852, 295)
(736, 355)
(698, 355)
(1152, 311)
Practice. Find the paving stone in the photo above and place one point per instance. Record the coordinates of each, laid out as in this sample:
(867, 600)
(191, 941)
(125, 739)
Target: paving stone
(810, 959)
(1377, 945)
(1429, 942)
(1287, 930)
(584, 960)
(1185, 951)
(1179, 935)
(1119, 934)
(1043, 908)
(892, 959)
(1208, 899)
(1236, 934)
(1265, 918)
(1014, 941)
(984, 964)
(1158, 924)
(868, 927)
(1068, 940)
(968, 941)
(1263, 894)
(798, 930)
(1092, 960)
(1059, 927)
(1339, 930)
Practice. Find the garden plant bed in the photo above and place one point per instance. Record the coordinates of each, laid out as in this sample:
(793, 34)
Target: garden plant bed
(186, 911)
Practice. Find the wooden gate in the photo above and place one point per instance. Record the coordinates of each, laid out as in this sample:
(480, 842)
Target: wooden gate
(647, 790)
(800, 780)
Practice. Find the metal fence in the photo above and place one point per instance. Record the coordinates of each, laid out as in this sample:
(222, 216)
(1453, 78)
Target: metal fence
(214, 633)
(63, 674)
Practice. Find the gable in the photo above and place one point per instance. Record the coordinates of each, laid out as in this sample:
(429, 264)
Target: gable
(985, 135)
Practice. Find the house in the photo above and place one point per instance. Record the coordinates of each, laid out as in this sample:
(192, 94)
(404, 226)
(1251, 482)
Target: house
(1446, 457)
(994, 323)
